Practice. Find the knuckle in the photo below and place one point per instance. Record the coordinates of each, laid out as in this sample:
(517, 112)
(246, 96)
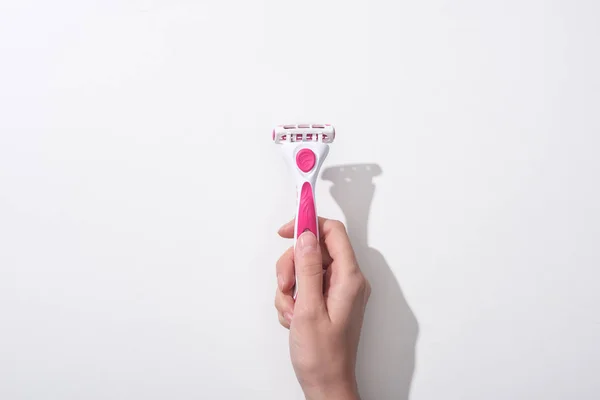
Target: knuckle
(277, 302)
(283, 322)
(338, 226)
(283, 261)
(313, 268)
(359, 285)
(280, 264)
(367, 290)
(308, 314)
(362, 284)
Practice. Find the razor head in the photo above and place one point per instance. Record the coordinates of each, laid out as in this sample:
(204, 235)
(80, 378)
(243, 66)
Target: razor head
(324, 133)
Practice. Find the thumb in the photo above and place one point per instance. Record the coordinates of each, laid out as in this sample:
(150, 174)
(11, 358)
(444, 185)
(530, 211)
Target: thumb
(309, 271)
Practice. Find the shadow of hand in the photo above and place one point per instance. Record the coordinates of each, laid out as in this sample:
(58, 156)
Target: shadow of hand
(386, 359)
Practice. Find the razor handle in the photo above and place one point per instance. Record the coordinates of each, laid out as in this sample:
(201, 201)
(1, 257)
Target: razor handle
(307, 159)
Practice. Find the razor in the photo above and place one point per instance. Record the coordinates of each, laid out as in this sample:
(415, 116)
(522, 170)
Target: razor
(305, 147)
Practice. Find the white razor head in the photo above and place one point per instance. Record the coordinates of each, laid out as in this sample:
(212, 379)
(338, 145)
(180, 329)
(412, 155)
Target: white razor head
(324, 133)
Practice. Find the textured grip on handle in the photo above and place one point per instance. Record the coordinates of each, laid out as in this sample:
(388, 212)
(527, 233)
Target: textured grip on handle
(307, 213)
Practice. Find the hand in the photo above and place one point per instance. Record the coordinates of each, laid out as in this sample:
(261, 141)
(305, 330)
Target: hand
(326, 319)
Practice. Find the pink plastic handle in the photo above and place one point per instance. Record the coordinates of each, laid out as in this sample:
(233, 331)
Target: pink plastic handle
(307, 213)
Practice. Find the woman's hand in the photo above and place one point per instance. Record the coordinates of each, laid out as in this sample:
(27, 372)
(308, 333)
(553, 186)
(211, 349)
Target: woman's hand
(326, 318)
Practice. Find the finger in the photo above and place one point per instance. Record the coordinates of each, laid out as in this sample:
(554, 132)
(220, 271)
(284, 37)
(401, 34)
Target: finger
(309, 274)
(285, 271)
(285, 306)
(287, 231)
(339, 247)
(347, 296)
(283, 321)
(335, 241)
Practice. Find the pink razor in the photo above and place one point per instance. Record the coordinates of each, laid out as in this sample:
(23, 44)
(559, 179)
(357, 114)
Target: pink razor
(305, 147)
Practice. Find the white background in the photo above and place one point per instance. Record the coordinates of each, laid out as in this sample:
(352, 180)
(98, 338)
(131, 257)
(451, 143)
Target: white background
(140, 193)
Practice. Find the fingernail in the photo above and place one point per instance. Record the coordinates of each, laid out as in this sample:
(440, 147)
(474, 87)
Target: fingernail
(280, 282)
(307, 242)
(288, 317)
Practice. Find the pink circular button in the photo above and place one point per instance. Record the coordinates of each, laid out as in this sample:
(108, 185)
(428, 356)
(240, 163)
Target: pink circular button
(305, 160)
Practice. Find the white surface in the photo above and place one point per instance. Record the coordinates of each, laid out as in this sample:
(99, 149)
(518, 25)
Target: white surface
(137, 247)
